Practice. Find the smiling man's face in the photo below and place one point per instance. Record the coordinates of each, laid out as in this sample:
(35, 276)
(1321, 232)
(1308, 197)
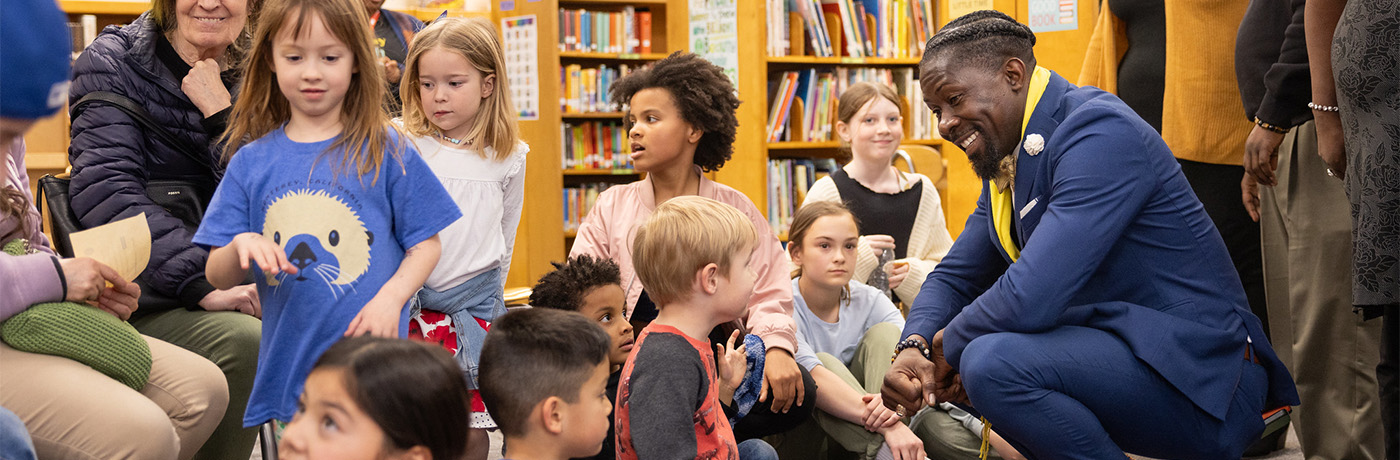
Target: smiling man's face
(979, 107)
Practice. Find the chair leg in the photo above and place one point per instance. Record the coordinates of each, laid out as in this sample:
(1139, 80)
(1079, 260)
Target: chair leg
(268, 439)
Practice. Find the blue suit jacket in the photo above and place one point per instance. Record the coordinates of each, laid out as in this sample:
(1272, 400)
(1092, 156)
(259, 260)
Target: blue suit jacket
(1113, 238)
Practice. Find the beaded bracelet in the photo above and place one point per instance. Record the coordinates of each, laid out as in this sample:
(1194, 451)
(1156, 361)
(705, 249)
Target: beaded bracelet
(912, 343)
(1270, 127)
(1324, 108)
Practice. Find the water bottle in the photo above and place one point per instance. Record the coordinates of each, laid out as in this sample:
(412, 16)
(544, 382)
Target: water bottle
(878, 278)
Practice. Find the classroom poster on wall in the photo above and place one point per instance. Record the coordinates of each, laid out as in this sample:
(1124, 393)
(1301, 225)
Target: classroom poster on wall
(959, 8)
(714, 34)
(1053, 15)
(521, 42)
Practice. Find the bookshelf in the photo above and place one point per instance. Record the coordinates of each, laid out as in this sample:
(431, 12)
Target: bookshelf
(573, 93)
(787, 121)
(1061, 51)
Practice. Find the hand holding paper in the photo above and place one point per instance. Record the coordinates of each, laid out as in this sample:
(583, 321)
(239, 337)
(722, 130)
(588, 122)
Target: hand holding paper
(124, 245)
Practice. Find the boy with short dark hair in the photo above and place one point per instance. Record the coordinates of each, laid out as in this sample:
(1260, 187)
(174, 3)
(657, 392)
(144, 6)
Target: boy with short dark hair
(592, 286)
(693, 255)
(543, 378)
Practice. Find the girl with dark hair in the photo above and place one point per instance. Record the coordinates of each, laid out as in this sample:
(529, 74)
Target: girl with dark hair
(355, 404)
(680, 122)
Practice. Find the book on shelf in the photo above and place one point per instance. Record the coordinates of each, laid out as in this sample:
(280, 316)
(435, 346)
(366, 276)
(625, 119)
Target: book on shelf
(578, 200)
(868, 28)
(626, 31)
(803, 103)
(585, 89)
(595, 145)
(788, 182)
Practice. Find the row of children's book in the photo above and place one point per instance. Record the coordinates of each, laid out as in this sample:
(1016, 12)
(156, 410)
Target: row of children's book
(788, 183)
(802, 103)
(585, 89)
(578, 200)
(626, 31)
(855, 28)
(595, 145)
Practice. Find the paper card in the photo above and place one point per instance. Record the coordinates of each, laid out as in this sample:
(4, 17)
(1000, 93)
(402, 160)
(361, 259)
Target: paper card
(124, 245)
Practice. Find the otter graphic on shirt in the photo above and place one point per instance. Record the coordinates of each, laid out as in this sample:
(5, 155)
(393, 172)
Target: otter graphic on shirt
(325, 239)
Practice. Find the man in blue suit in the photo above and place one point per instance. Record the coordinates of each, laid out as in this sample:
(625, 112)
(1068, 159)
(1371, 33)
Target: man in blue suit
(1089, 307)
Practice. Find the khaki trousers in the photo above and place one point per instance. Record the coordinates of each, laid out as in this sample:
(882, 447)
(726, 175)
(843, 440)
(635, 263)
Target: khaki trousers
(75, 412)
(1306, 236)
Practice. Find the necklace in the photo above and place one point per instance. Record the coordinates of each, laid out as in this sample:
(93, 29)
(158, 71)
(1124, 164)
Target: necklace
(453, 140)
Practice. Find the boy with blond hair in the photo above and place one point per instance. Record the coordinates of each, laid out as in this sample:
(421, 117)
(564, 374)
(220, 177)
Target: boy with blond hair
(693, 255)
(543, 377)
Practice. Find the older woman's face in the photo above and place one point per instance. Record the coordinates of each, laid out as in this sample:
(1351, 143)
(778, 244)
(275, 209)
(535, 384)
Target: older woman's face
(210, 25)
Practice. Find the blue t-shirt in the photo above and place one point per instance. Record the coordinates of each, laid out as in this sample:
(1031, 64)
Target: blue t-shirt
(346, 234)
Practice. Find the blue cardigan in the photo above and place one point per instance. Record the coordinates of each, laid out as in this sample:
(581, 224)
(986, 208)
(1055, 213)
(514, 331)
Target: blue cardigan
(1113, 238)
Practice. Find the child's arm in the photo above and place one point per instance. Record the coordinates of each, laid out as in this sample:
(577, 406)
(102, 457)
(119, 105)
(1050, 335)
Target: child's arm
(380, 317)
(836, 397)
(510, 217)
(228, 265)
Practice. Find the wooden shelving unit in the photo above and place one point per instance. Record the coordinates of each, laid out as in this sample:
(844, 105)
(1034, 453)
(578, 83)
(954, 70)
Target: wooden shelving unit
(542, 238)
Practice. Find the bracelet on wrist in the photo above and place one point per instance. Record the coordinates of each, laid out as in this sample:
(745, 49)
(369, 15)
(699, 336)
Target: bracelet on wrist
(912, 343)
(1323, 108)
(1270, 127)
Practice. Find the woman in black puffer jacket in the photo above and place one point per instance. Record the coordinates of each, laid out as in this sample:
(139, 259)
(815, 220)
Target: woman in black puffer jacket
(178, 62)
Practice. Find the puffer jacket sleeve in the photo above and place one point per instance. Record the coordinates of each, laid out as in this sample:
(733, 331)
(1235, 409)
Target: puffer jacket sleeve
(111, 160)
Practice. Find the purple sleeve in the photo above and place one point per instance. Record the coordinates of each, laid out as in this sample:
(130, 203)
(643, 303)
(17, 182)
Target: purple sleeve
(30, 279)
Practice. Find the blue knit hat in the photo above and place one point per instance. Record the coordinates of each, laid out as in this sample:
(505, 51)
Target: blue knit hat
(35, 58)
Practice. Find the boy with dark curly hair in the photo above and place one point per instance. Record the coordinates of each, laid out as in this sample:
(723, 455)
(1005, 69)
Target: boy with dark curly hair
(681, 122)
(592, 286)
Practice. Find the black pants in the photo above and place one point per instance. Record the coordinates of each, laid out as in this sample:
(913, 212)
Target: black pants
(1218, 188)
(1388, 378)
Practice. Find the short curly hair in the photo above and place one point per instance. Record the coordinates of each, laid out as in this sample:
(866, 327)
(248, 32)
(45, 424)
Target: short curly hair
(985, 38)
(703, 93)
(564, 288)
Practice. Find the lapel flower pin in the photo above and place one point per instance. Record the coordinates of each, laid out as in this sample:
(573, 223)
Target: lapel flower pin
(1034, 144)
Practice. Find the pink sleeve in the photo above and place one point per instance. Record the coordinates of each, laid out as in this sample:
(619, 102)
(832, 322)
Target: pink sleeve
(770, 308)
(29, 279)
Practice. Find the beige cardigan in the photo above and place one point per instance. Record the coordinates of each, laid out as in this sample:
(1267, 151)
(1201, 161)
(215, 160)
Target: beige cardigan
(929, 240)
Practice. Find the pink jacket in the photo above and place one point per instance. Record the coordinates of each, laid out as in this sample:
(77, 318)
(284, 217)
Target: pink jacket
(27, 279)
(608, 230)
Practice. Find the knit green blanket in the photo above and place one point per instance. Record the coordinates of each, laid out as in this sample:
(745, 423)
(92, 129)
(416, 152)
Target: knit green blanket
(79, 332)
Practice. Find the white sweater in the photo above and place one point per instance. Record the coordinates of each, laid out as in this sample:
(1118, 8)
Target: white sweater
(490, 194)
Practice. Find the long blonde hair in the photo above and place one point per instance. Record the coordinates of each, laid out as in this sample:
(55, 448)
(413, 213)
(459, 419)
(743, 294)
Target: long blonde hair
(475, 39)
(261, 107)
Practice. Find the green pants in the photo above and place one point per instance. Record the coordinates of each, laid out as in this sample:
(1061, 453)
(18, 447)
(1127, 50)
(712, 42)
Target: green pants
(230, 340)
(828, 436)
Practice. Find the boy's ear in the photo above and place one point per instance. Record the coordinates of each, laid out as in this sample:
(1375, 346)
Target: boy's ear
(488, 85)
(551, 414)
(707, 279)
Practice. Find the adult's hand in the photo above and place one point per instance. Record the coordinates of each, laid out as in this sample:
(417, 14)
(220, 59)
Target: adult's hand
(783, 378)
(1249, 193)
(947, 384)
(243, 299)
(88, 280)
(1331, 145)
(909, 382)
(205, 88)
(391, 70)
(1261, 155)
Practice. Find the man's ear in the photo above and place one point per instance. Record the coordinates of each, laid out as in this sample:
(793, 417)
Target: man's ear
(551, 414)
(1014, 71)
(488, 85)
